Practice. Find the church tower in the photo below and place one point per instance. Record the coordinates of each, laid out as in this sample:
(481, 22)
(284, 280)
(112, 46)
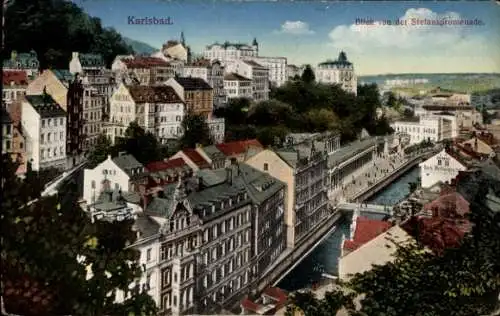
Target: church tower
(183, 40)
(255, 45)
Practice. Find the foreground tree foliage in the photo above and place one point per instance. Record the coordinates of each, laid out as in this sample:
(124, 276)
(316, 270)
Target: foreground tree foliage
(27, 24)
(43, 242)
(196, 131)
(460, 281)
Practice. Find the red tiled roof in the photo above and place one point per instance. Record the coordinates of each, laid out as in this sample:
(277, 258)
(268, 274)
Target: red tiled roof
(196, 158)
(19, 77)
(449, 205)
(156, 166)
(202, 62)
(238, 147)
(437, 233)
(248, 305)
(366, 230)
(145, 62)
(278, 294)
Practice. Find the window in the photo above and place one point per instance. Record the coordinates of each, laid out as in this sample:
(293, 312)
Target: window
(42, 153)
(48, 137)
(42, 138)
(7, 145)
(266, 167)
(49, 122)
(148, 255)
(43, 123)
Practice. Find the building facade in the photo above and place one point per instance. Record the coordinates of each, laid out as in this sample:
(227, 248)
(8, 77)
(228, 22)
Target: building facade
(339, 71)
(229, 52)
(213, 73)
(217, 128)
(14, 86)
(148, 70)
(236, 86)
(44, 122)
(54, 82)
(86, 63)
(442, 167)
(27, 62)
(277, 68)
(7, 132)
(254, 71)
(196, 93)
(433, 128)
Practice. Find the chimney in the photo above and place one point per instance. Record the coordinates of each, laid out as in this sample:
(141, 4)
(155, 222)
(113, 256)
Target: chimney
(75, 55)
(229, 175)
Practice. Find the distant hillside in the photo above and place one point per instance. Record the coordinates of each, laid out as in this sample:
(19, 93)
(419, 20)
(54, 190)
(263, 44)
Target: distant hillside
(140, 47)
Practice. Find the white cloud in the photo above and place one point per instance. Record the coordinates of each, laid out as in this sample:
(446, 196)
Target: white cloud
(360, 37)
(295, 28)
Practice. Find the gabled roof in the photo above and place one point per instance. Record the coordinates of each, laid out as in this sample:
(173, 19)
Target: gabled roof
(17, 77)
(153, 94)
(156, 166)
(196, 158)
(238, 147)
(45, 105)
(63, 75)
(235, 77)
(366, 230)
(145, 62)
(146, 226)
(192, 83)
(213, 152)
(129, 164)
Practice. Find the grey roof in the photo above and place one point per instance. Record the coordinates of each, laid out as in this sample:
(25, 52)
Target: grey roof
(290, 156)
(191, 83)
(45, 105)
(228, 44)
(146, 226)
(213, 152)
(235, 77)
(91, 60)
(350, 150)
(341, 61)
(109, 201)
(63, 75)
(129, 164)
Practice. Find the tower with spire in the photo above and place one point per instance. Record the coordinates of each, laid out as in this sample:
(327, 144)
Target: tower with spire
(255, 45)
(183, 40)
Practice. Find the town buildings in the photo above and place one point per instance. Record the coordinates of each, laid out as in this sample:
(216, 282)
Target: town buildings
(177, 49)
(217, 127)
(157, 109)
(11, 114)
(433, 128)
(211, 72)
(27, 62)
(293, 71)
(442, 167)
(304, 169)
(340, 71)
(197, 94)
(254, 71)
(14, 84)
(277, 68)
(44, 124)
(230, 52)
(54, 82)
(236, 86)
(86, 63)
(145, 70)
(7, 131)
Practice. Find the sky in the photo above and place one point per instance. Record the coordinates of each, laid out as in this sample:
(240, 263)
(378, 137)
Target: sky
(314, 31)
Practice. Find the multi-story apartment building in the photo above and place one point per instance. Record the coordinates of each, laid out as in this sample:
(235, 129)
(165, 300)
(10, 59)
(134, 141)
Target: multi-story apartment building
(254, 71)
(428, 128)
(146, 70)
(304, 169)
(196, 93)
(229, 52)
(76, 139)
(86, 63)
(157, 109)
(16, 148)
(236, 86)
(339, 71)
(93, 111)
(293, 71)
(44, 123)
(217, 127)
(211, 72)
(211, 247)
(14, 84)
(27, 62)
(54, 82)
(277, 68)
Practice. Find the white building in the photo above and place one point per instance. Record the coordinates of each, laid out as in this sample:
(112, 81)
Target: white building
(81, 63)
(254, 71)
(112, 174)
(157, 109)
(237, 86)
(442, 167)
(277, 68)
(427, 128)
(229, 52)
(466, 115)
(213, 73)
(339, 71)
(217, 129)
(292, 71)
(44, 123)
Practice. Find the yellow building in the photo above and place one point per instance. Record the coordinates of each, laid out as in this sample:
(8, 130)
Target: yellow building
(55, 82)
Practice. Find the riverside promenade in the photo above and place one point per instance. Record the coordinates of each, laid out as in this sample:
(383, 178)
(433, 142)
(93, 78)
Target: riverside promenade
(379, 171)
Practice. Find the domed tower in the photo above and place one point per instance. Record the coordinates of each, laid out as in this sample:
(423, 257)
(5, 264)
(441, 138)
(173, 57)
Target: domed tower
(255, 45)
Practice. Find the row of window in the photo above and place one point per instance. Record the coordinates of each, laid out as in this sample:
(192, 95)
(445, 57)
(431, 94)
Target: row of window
(49, 122)
(227, 268)
(226, 247)
(50, 138)
(52, 153)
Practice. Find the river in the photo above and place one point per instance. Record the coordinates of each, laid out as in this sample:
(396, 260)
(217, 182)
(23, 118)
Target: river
(324, 258)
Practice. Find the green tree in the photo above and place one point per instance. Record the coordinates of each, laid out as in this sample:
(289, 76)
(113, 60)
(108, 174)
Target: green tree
(235, 112)
(272, 135)
(321, 120)
(196, 131)
(42, 241)
(139, 143)
(100, 152)
(269, 113)
(390, 99)
(308, 75)
(27, 24)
